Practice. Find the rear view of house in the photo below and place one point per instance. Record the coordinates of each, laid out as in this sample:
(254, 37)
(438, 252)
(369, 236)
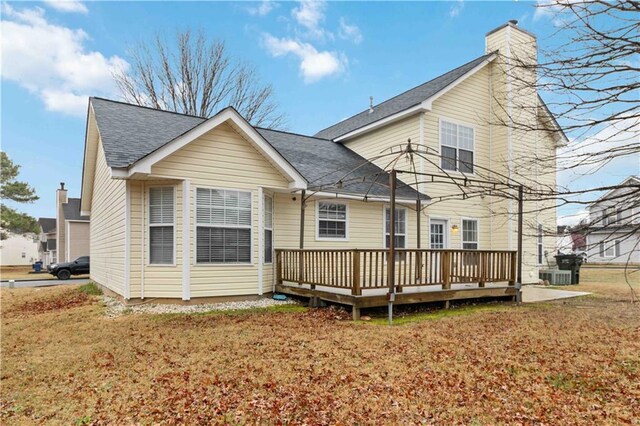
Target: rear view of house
(188, 207)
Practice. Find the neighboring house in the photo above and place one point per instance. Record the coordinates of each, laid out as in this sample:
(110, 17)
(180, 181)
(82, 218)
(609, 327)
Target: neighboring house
(66, 237)
(613, 234)
(189, 207)
(47, 240)
(19, 249)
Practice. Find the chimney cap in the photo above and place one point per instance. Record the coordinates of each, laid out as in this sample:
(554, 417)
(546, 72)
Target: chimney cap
(62, 186)
(513, 21)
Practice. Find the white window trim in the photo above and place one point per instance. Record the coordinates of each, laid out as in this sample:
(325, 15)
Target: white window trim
(384, 226)
(457, 123)
(462, 218)
(612, 247)
(265, 228)
(447, 231)
(317, 220)
(196, 224)
(609, 219)
(149, 225)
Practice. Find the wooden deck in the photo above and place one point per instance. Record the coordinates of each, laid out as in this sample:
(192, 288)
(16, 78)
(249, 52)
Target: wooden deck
(361, 278)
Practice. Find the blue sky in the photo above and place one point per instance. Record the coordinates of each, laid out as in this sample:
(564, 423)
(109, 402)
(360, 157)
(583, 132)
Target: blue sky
(324, 60)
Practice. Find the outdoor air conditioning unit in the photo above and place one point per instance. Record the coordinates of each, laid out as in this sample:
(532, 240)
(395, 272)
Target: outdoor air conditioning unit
(556, 276)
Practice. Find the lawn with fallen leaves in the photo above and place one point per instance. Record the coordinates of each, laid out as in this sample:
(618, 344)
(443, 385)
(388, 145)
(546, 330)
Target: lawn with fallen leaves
(575, 361)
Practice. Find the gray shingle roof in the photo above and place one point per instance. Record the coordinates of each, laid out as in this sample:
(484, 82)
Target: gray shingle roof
(399, 103)
(47, 224)
(71, 210)
(323, 163)
(129, 132)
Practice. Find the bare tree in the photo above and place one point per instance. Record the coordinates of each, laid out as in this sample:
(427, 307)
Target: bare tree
(196, 76)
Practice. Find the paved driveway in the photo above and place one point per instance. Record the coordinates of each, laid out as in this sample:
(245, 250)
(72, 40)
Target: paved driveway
(45, 283)
(532, 294)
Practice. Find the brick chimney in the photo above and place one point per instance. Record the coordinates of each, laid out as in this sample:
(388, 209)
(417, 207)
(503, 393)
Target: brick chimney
(61, 245)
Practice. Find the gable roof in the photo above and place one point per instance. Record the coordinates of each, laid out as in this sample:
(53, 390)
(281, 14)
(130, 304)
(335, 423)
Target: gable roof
(130, 132)
(633, 179)
(323, 163)
(401, 102)
(47, 224)
(71, 210)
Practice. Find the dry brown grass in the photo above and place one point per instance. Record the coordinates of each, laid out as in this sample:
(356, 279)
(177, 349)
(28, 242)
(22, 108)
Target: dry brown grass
(572, 362)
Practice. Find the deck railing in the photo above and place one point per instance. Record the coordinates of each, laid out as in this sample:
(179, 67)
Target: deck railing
(359, 270)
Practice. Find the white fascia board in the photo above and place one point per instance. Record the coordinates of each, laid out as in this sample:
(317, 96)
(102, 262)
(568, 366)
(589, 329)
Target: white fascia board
(424, 106)
(383, 122)
(429, 102)
(143, 166)
(85, 212)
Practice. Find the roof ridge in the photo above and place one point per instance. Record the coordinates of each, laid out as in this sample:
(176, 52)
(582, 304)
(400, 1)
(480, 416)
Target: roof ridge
(148, 107)
(293, 133)
(408, 90)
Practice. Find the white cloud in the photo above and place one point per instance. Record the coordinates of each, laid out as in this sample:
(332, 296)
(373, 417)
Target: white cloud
(551, 9)
(456, 8)
(263, 8)
(71, 6)
(314, 64)
(310, 15)
(349, 32)
(52, 62)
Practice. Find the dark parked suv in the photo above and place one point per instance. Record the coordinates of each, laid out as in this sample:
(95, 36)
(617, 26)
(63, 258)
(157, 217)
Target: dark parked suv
(64, 270)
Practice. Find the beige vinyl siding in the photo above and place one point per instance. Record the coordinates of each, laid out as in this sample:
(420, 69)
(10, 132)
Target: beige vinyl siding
(78, 239)
(378, 142)
(107, 227)
(365, 223)
(220, 159)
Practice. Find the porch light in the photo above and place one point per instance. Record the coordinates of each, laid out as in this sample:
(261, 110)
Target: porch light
(454, 229)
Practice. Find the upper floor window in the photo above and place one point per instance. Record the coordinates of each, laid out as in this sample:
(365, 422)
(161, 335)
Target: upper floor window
(456, 147)
(161, 214)
(332, 220)
(223, 226)
(609, 216)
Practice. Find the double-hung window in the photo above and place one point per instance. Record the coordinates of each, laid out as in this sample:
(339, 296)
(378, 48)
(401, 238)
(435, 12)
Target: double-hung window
(609, 216)
(161, 225)
(400, 228)
(610, 248)
(223, 226)
(332, 220)
(469, 234)
(540, 246)
(268, 229)
(456, 147)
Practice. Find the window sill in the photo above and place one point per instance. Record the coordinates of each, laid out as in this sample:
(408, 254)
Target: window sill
(218, 265)
(332, 239)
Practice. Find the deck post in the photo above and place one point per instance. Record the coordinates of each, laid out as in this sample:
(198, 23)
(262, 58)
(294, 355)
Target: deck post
(519, 254)
(445, 270)
(418, 242)
(482, 258)
(300, 253)
(391, 256)
(356, 290)
(278, 267)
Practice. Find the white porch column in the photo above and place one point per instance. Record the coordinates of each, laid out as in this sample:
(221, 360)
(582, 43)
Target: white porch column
(260, 240)
(127, 241)
(186, 240)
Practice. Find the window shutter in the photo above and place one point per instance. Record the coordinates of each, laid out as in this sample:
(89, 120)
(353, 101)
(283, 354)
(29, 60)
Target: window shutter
(601, 249)
(617, 248)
